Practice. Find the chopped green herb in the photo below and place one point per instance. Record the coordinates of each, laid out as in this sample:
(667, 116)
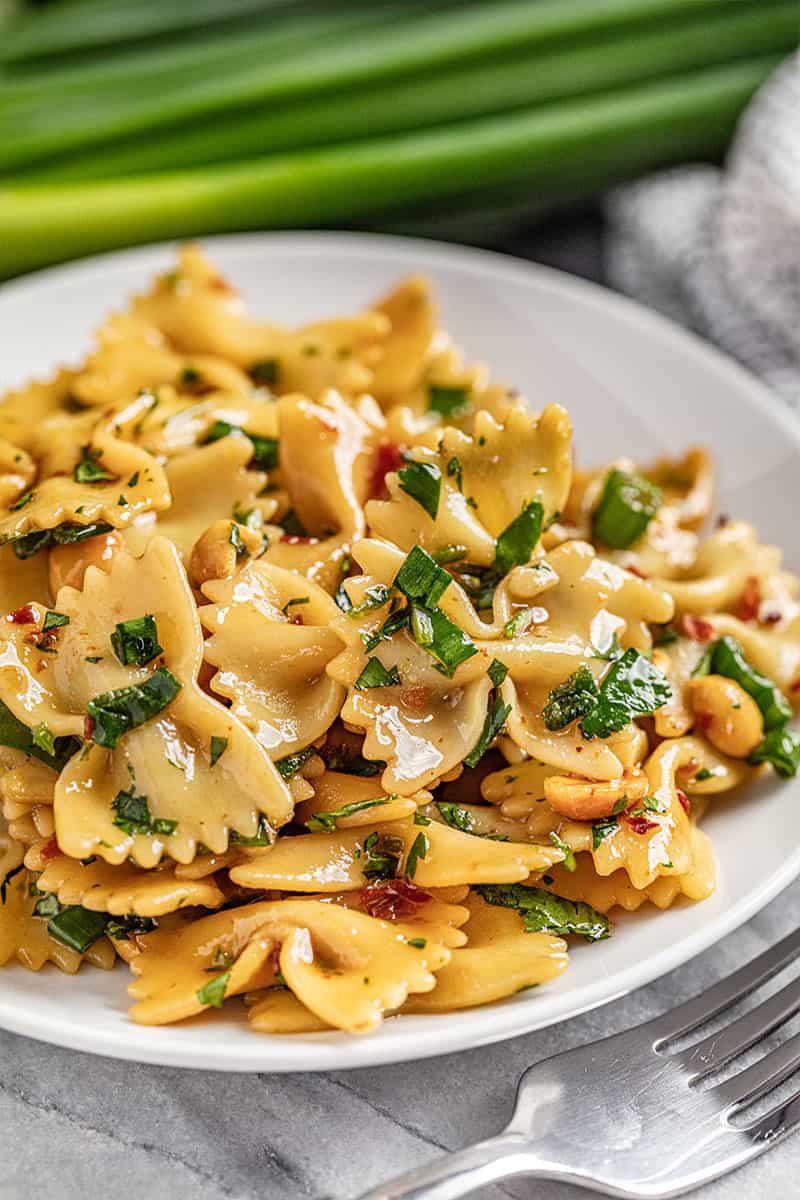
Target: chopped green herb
(266, 452)
(350, 763)
(236, 540)
(263, 835)
(632, 687)
(665, 636)
(382, 856)
(190, 377)
(213, 992)
(421, 819)
(19, 737)
(626, 507)
(620, 806)
(419, 849)
(703, 774)
(375, 597)
(455, 470)
(327, 821)
(606, 827)
(77, 928)
(43, 738)
(543, 912)
(442, 638)
(24, 499)
(728, 659)
(54, 620)
(265, 372)
(47, 905)
(134, 816)
(497, 672)
(418, 943)
(455, 816)
(218, 747)
(114, 713)
(496, 717)
(517, 541)
(134, 480)
(421, 579)
(292, 763)
(449, 553)
(375, 675)
(294, 602)
(781, 749)
(448, 401)
(423, 483)
(570, 700)
(518, 623)
(135, 642)
(293, 526)
(120, 929)
(66, 534)
(566, 850)
(393, 623)
(93, 658)
(611, 651)
(89, 470)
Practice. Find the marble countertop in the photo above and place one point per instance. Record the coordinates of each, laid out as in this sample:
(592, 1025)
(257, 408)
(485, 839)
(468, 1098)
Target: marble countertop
(77, 1127)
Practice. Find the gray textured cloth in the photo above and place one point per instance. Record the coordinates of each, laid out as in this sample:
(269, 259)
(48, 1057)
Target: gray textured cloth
(76, 1127)
(719, 250)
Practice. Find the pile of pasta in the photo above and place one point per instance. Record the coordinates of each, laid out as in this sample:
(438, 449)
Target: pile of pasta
(328, 683)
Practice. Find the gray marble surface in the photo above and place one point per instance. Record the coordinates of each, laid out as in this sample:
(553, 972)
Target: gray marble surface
(77, 1127)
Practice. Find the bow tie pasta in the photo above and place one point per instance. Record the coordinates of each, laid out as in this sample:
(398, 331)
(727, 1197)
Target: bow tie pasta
(331, 689)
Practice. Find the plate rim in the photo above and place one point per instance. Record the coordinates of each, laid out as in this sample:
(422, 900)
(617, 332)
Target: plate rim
(158, 1045)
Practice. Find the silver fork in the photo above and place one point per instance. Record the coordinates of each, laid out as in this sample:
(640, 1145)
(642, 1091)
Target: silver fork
(627, 1115)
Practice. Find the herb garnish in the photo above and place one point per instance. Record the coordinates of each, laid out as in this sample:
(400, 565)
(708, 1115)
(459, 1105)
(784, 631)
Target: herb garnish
(544, 912)
(114, 713)
(134, 816)
(291, 764)
(570, 700)
(54, 620)
(327, 821)
(375, 675)
(89, 470)
(419, 849)
(66, 534)
(135, 642)
(626, 507)
(213, 992)
(448, 401)
(218, 747)
(19, 737)
(423, 483)
(517, 541)
(77, 927)
(265, 372)
(632, 687)
(383, 852)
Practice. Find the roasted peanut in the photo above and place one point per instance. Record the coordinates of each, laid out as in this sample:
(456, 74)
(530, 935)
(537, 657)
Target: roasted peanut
(588, 799)
(224, 546)
(725, 713)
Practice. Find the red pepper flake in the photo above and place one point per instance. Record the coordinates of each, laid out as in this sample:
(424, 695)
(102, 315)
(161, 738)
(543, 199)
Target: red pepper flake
(750, 600)
(50, 849)
(771, 618)
(388, 457)
(684, 801)
(274, 958)
(635, 571)
(392, 899)
(44, 640)
(579, 749)
(640, 824)
(88, 728)
(795, 686)
(23, 616)
(697, 628)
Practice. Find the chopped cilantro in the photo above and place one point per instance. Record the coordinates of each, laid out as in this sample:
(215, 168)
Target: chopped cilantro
(423, 483)
(632, 687)
(455, 816)
(781, 749)
(604, 828)
(566, 850)
(292, 763)
(114, 713)
(497, 672)
(517, 541)
(89, 470)
(327, 821)
(496, 717)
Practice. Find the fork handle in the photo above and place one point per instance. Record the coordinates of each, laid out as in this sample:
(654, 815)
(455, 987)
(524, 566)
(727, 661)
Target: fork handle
(463, 1171)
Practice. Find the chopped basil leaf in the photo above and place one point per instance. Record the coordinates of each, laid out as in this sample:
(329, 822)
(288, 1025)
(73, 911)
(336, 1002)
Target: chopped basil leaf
(421, 819)
(620, 806)
(114, 713)
(728, 659)
(19, 737)
(606, 827)
(135, 642)
(213, 992)
(423, 483)
(375, 675)
(43, 738)
(626, 507)
(134, 816)
(89, 470)
(265, 451)
(448, 401)
(497, 672)
(263, 835)
(517, 541)
(24, 499)
(293, 526)
(265, 372)
(569, 856)
(349, 763)
(236, 540)
(632, 687)
(570, 700)
(66, 534)
(327, 821)
(455, 816)
(218, 747)
(781, 749)
(383, 852)
(419, 849)
(442, 638)
(77, 928)
(376, 597)
(421, 579)
(121, 928)
(496, 717)
(54, 620)
(543, 912)
(703, 774)
(190, 377)
(292, 763)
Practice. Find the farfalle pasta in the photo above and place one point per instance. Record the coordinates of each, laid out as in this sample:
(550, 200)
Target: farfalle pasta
(330, 687)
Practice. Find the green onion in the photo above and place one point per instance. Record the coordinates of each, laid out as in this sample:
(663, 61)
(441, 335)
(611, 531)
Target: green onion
(570, 700)
(626, 507)
(375, 675)
(442, 638)
(213, 992)
(602, 829)
(77, 927)
(392, 625)
(518, 623)
(291, 764)
(497, 672)
(135, 642)
(218, 747)
(517, 541)
(423, 483)
(114, 713)
(728, 658)
(496, 717)
(134, 816)
(543, 912)
(327, 821)
(419, 849)
(421, 579)
(376, 597)
(449, 553)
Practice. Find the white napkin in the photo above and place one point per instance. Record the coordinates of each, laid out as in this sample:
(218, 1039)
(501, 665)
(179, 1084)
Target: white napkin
(719, 250)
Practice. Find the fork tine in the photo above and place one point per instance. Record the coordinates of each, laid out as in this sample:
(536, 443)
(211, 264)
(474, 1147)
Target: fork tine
(779, 1121)
(718, 1048)
(755, 1081)
(702, 1008)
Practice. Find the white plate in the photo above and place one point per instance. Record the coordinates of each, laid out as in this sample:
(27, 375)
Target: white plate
(634, 384)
